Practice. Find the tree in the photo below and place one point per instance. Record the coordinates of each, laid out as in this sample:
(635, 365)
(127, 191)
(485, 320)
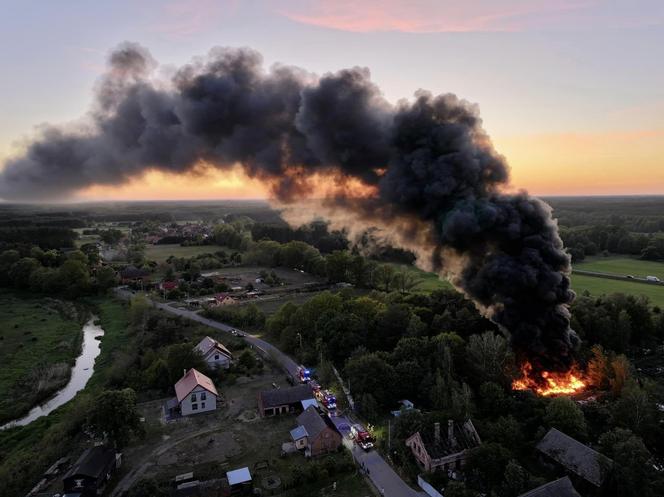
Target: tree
(488, 463)
(139, 309)
(384, 276)
(632, 473)
(563, 413)
(338, 265)
(634, 410)
(74, 277)
(106, 278)
(113, 415)
(598, 368)
(247, 360)
(620, 374)
(182, 357)
(487, 356)
(20, 271)
(404, 281)
(370, 373)
(516, 480)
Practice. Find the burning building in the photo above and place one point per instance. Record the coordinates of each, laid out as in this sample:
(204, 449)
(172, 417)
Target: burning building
(421, 175)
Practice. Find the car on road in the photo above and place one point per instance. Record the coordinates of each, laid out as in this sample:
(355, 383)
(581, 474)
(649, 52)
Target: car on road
(630, 277)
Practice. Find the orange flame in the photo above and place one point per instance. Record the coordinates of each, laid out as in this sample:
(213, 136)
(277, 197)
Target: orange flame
(549, 383)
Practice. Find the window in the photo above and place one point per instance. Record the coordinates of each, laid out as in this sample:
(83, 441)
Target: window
(216, 357)
(202, 405)
(203, 395)
(194, 407)
(193, 397)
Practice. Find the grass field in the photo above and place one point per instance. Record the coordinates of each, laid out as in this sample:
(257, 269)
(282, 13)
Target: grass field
(37, 346)
(424, 282)
(159, 253)
(622, 266)
(598, 286)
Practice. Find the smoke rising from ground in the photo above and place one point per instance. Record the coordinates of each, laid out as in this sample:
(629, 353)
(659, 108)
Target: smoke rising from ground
(424, 172)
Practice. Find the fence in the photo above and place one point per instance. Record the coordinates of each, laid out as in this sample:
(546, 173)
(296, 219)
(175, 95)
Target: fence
(432, 492)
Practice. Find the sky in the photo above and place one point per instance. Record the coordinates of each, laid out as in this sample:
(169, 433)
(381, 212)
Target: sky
(570, 91)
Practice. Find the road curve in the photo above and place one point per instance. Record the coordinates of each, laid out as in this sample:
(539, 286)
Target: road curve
(386, 480)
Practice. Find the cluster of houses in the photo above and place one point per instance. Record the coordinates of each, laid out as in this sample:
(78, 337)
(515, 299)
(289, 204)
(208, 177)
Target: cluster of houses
(177, 233)
(195, 392)
(585, 467)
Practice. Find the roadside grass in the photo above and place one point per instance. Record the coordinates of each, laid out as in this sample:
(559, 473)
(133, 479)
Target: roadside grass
(597, 286)
(622, 266)
(38, 344)
(159, 253)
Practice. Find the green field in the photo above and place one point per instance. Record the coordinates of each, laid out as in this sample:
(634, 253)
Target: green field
(37, 346)
(599, 286)
(622, 266)
(159, 253)
(424, 282)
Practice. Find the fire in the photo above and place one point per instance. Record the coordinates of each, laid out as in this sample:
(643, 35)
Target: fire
(549, 383)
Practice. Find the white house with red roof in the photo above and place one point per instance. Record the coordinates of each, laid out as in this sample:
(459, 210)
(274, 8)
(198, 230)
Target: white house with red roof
(195, 393)
(215, 354)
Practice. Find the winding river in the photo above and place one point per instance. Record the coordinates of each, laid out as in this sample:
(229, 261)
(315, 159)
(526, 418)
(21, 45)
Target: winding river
(80, 374)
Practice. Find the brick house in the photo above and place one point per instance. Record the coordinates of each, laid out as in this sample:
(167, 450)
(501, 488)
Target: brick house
(316, 434)
(449, 452)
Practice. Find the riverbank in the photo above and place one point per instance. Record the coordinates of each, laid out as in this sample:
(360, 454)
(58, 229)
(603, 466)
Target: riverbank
(27, 451)
(40, 339)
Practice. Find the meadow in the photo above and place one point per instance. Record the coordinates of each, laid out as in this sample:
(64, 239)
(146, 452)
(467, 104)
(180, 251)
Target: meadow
(425, 282)
(39, 340)
(622, 266)
(159, 253)
(597, 286)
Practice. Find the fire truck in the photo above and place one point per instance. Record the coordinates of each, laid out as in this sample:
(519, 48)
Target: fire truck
(303, 374)
(362, 437)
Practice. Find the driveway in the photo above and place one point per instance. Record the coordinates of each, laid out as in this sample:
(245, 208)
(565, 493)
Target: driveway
(380, 472)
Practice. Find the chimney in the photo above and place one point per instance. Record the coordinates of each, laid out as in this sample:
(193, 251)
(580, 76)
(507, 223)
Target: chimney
(184, 372)
(450, 432)
(436, 432)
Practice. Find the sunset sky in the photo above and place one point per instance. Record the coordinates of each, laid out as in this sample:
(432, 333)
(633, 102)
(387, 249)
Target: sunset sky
(570, 91)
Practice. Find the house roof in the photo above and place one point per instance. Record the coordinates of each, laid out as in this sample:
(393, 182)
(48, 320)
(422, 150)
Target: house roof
(465, 437)
(286, 396)
(237, 476)
(191, 380)
(208, 344)
(575, 456)
(312, 422)
(92, 462)
(558, 488)
(298, 433)
(132, 272)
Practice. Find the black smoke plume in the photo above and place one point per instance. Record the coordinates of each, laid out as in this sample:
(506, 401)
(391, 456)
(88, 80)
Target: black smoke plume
(430, 178)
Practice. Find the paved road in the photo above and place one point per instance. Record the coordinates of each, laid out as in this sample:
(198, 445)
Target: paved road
(380, 472)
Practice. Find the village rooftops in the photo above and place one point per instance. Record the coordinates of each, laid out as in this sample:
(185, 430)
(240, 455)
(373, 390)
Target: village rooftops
(576, 457)
(312, 422)
(93, 462)
(441, 446)
(208, 343)
(191, 380)
(557, 488)
(285, 396)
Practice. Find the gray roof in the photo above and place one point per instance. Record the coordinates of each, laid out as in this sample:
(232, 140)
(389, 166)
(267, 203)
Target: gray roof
(93, 462)
(576, 457)
(557, 488)
(298, 433)
(311, 421)
(286, 396)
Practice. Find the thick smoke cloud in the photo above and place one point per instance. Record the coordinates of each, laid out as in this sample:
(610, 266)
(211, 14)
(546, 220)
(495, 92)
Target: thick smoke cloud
(429, 176)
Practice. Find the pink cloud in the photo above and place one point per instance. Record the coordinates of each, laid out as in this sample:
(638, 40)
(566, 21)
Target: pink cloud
(421, 16)
(184, 18)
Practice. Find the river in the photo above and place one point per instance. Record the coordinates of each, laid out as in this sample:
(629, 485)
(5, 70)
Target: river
(80, 374)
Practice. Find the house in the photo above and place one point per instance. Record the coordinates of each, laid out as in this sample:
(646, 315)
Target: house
(449, 452)
(133, 274)
(90, 473)
(167, 286)
(559, 488)
(215, 354)
(315, 434)
(223, 299)
(240, 481)
(194, 393)
(575, 457)
(271, 402)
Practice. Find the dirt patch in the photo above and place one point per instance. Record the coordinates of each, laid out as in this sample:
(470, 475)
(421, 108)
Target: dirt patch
(248, 416)
(211, 447)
